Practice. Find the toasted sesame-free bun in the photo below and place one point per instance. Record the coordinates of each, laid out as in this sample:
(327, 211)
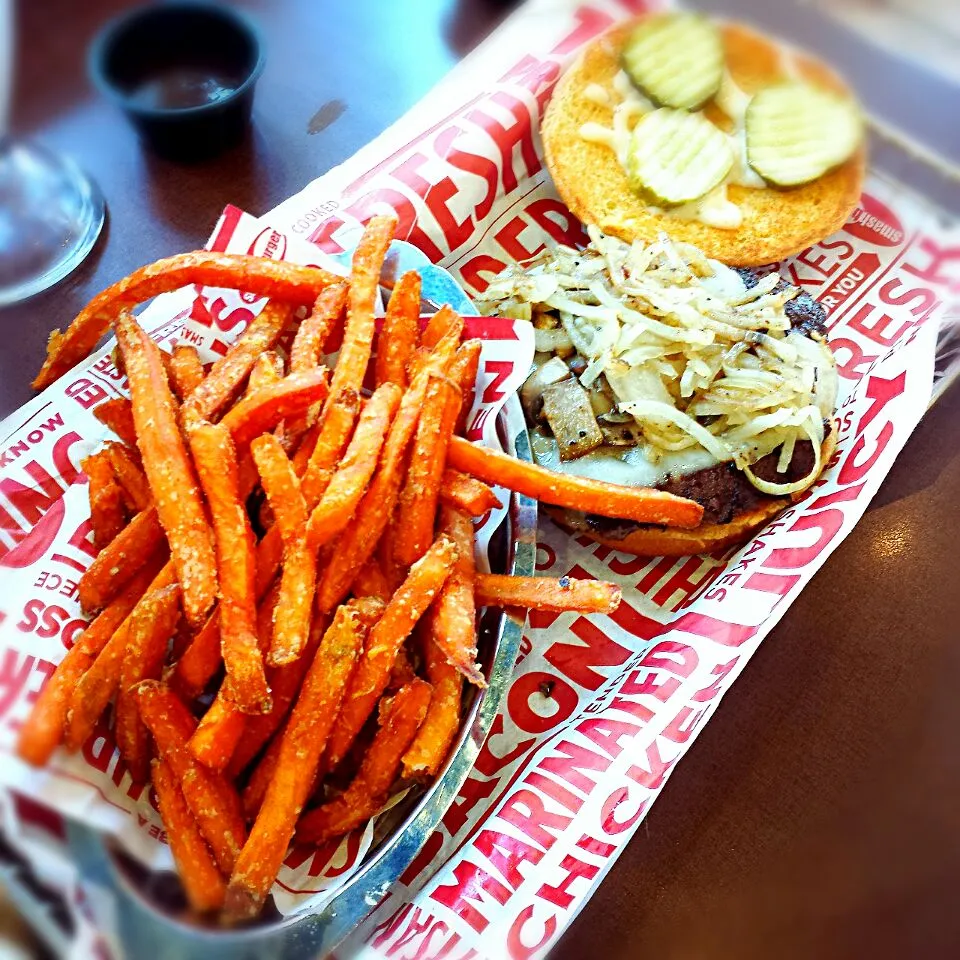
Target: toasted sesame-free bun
(654, 541)
(776, 222)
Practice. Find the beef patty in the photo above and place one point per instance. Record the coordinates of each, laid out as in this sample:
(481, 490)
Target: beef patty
(723, 491)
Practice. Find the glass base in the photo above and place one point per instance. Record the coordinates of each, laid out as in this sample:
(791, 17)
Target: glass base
(50, 217)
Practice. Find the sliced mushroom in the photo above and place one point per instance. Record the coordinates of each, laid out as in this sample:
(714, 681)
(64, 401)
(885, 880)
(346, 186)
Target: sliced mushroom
(619, 429)
(566, 405)
(620, 434)
(545, 372)
(601, 398)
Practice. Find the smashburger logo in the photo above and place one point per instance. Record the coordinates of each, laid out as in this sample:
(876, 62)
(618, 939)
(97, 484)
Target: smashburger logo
(269, 244)
(874, 222)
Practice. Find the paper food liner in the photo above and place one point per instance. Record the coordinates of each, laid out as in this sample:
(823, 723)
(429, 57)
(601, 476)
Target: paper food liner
(599, 709)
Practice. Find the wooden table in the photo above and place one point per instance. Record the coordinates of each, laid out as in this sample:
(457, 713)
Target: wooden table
(817, 813)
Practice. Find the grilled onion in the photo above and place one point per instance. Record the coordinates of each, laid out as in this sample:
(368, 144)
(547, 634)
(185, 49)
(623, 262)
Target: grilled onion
(696, 357)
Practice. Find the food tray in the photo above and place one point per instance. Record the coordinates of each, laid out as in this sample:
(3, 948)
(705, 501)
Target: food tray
(409, 914)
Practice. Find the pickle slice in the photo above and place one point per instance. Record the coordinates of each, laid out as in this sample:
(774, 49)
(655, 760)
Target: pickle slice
(797, 132)
(676, 157)
(676, 59)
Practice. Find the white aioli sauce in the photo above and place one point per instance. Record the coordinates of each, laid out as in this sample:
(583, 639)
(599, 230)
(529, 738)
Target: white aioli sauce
(598, 94)
(714, 209)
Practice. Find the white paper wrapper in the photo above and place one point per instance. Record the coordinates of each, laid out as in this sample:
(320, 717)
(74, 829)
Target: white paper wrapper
(600, 709)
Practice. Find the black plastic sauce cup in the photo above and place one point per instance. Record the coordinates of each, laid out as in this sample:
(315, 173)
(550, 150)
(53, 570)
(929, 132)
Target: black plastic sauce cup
(183, 72)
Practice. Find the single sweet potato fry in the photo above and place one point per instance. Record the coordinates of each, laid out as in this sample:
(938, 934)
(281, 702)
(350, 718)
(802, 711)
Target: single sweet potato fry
(425, 580)
(260, 778)
(107, 507)
(169, 470)
(466, 493)
(202, 881)
(431, 745)
(269, 557)
(400, 718)
(130, 476)
(267, 369)
(218, 733)
(455, 628)
(463, 372)
(285, 683)
(44, 727)
(299, 575)
(361, 298)
(151, 627)
(216, 461)
(281, 486)
(439, 339)
(43, 731)
(313, 332)
(338, 817)
(440, 325)
(200, 661)
(184, 370)
(263, 410)
(212, 800)
(557, 594)
(298, 583)
(352, 476)
(375, 509)
(117, 564)
(339, 419)
(421, 490)
(117, 415)
(95, 688)
(298, 757)
(227, 376)
(269, 278)
(398, 335)
(643, 504)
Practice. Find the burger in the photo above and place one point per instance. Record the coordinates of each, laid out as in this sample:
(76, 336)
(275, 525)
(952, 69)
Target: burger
(657, 366)
(711, 132)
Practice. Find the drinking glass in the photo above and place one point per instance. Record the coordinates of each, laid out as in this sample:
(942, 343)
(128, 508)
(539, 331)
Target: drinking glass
(50, 212)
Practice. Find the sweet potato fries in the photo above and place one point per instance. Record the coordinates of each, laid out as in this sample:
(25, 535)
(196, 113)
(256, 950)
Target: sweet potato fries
(285, 592)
